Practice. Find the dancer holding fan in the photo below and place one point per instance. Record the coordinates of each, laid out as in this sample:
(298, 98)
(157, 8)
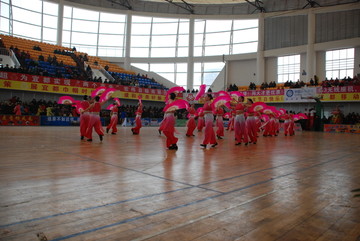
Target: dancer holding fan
(240, 123)
(94, 120)
(251, 125)
(138, 125)
(84, 116)
(191, 124)
(209, 118)
(114, 117)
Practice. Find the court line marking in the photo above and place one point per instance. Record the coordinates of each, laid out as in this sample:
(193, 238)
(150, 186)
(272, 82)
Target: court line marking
(190, 203)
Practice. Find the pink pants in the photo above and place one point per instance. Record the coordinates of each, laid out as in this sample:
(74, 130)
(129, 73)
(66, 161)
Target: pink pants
(209, 130)
(240, 128)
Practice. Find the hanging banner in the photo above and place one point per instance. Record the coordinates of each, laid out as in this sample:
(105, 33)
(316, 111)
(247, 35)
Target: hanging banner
(299, 94)
(334, 128)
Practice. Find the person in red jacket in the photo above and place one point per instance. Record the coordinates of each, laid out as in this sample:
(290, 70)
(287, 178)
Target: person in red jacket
(94, 121)
(84, 117)
(209, 119)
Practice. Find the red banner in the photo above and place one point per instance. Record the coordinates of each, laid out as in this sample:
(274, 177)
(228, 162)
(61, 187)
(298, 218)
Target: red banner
(338, 89)
(36, 79)
(19, 120)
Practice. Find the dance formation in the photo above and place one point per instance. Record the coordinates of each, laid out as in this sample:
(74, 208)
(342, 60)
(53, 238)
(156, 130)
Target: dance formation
(246, 118)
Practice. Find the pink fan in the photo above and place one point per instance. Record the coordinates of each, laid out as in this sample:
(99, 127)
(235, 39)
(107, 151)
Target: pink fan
(296, 117)
(66, 100)
(268, 110)
(201, 92)
(265, 118)
(79, 108)
(177, 105)
(221, 100)
(258, 106)
(236, 94)
(106, 95)
(117, 101)
(302, 116)
(221, 93)
(76, 102)
(176, 89)
(227, 115)
(110, 107)
(199, 110)
(98, 91)
(140, 100)
(282, 111)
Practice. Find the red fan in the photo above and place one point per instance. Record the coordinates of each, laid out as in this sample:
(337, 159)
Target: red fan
(98, 91)
(177, 105)
(296, 117)
(66, 100)
(201, 92)
(269, 110)
(282, 111)
(106, 95)
(200, 110)
(221, 100)
(176, 89)
(221, 93)
(265, 118)
(236, 94)
(110, 107)
(258, 106)
(117, 100)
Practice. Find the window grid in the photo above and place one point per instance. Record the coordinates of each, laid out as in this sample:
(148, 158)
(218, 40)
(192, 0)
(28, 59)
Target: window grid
(340, 63)
(288, 68)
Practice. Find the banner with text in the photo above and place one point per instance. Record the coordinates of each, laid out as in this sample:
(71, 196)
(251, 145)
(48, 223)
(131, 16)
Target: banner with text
(19, 120)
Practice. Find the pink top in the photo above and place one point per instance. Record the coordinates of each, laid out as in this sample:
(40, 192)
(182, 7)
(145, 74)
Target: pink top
(115, 109)
(192, 111)
(84, 104)
(220, 111)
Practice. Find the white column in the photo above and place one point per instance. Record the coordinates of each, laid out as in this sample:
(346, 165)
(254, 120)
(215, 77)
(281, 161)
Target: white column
(260, 59)
(60, 22)
(127, 63)
(310, 52)
(190, 63)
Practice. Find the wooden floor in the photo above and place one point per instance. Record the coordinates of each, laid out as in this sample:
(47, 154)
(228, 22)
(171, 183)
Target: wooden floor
(131, 188)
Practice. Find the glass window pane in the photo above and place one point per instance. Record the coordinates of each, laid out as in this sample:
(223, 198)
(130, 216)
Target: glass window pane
(217, 38)
(140, 29)
(181, 79)
(51, 8)
(197, 79)
(213, 67)
(144, 67)
(199, 26)
(139, 52)
(50, 21)
(168, 76)
(183, 40)
(183, 52)
(111, 40)
(110, 51)
(34, 5)
(85, 26)
(216, 50)
(247, 35)
(140, 41)
(164, 41)
(165, 28)
(162, 68)
(66, 37)
(66, 24)
(242, 24)
(106, 27)
(91, 50)
(110, 17)
(218, 25)
(49, 35)
(162, 52)
(67, 12)
(79, 13)
(245, 48)
(84, 38)
(184, 27)
(4, 25)
(26, 16)
(27, 30)
(5, 10)
(181, 68)
(339, 63)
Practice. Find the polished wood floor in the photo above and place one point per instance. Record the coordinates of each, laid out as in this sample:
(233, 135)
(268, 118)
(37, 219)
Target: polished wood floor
(131, 188)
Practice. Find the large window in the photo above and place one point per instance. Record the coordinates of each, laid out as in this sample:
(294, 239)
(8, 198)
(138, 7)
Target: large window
(36, 19)
(288, 68)
(340, 63)
(206, 73)
(224, 37)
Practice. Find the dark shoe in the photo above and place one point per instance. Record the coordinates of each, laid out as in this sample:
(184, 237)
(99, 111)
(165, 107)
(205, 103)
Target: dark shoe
(237, 144)
(101, 137)
(89, 140)
(254, 143)
(82, 138)
(203, 145)
(246, 143)
(107, 130)
(188, 135)
(113, 133)
(285, 134)
(174, 146)
(213, 145)
(159, 132)
(219, 137)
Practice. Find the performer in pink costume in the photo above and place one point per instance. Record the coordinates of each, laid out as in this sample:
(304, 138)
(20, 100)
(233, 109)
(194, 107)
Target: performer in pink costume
(240, 122)
(209, 118)
(136, 129)
(113, 120)
(251, 125)
(17, 109)
(191, 124)
(231, 120)
(292, 124)
(94, 120)
(201, 121)
(84, 117)
(286, 118)
(169, 126)
(270, 127)
(219, 122)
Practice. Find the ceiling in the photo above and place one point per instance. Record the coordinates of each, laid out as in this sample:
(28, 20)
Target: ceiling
(202, 1)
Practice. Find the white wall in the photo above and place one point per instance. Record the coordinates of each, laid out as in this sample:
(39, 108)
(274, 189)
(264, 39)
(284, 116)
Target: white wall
(271, 69)
(241, 72)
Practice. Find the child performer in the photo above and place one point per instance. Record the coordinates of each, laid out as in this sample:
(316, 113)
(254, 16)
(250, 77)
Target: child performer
(240, 123)
(94, 121)
(113, 120)
(209, 118)
(84, 117)
(219, 122)
(136, 129)
(251, 125)
(191, 124)
(169, 126)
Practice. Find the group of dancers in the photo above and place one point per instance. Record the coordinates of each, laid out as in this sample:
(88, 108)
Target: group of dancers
(246, 118)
